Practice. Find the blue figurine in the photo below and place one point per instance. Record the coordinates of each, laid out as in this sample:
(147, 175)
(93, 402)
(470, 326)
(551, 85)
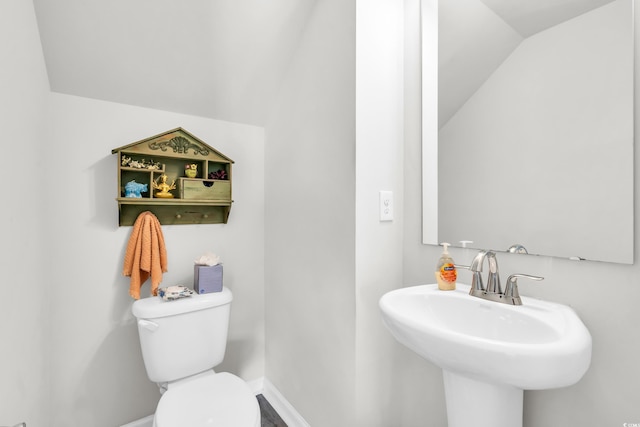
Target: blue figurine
(133, 189)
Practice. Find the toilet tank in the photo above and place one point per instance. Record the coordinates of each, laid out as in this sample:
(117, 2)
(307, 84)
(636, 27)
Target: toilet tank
(183, 337)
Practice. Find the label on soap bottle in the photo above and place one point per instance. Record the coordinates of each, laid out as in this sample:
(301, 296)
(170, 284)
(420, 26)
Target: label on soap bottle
(448, 273)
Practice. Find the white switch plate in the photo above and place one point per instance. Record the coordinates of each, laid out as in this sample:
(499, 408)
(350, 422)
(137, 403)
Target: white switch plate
(386, 205)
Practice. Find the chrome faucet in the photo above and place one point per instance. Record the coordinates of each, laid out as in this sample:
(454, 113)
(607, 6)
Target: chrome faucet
(493, 290)
(493, 280)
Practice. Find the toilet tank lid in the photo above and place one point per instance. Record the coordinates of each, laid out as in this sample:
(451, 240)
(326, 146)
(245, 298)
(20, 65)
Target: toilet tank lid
(154, 307)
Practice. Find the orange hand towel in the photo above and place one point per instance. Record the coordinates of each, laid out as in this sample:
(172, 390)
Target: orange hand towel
(146, 254)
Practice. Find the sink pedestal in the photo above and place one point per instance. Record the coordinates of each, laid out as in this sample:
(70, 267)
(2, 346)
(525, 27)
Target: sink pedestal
(476, 403)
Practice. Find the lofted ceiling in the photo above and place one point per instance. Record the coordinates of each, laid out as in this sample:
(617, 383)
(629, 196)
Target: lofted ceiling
(476, 36)
(220, 59)
(224, 59)
(529, 17)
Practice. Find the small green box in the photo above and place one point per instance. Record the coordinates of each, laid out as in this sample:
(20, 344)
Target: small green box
(204, 189)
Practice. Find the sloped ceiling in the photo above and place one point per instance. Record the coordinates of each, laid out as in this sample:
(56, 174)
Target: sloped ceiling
(224, 59)
(220, 59)
(529, 17)
(476, 36)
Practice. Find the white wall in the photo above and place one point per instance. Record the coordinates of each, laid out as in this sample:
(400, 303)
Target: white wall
(69, 348)
(378, 166)
(24, 282)
(98, 377)
(604, 295)
(310, 217)
(325, 341)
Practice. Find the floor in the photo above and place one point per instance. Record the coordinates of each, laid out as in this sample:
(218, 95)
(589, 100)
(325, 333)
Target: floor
(270, 417)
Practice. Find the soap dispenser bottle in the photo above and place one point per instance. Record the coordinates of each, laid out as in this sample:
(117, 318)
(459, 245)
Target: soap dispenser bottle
(446, 274)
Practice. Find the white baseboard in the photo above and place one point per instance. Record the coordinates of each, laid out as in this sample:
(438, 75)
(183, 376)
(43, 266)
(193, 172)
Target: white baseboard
(282, 406)
(256, 386)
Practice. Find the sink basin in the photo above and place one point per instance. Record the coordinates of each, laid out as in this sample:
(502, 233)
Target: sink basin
(489, 347)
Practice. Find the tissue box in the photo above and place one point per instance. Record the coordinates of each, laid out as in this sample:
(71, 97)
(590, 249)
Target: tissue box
(207, 279)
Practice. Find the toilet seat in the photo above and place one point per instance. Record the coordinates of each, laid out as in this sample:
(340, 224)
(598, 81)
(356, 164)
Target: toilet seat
(216, 400)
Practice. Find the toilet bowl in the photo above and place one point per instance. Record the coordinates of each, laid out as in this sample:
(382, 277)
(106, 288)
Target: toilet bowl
(181, 342)
(213, 400)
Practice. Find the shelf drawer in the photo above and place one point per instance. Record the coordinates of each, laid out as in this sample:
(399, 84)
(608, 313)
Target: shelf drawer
(204, 189)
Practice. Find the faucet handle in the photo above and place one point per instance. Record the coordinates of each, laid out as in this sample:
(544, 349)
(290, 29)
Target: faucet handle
(511, 290)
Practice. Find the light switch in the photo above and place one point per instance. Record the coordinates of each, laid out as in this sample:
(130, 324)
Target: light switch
(386, 205)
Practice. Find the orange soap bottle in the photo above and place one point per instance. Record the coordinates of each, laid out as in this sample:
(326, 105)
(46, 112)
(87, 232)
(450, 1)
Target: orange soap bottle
(446, 274)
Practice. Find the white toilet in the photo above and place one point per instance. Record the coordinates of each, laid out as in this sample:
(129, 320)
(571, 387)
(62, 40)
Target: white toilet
(181, 342)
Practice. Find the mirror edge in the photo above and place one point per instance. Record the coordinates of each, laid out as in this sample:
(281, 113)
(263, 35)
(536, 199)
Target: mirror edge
(429, 48)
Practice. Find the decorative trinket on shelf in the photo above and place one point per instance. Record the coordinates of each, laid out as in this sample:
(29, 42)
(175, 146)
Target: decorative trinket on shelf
(140, 164)
(135, 189)
(219, 174)
(191, 170)
(163, 187)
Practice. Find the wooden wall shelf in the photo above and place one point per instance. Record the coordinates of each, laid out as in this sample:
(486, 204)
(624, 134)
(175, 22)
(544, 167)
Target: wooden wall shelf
(203, 199)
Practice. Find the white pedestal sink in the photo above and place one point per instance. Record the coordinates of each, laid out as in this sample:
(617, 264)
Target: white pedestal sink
(489, 352)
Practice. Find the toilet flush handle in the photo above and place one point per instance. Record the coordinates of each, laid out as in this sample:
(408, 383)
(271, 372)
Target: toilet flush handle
(147, 324)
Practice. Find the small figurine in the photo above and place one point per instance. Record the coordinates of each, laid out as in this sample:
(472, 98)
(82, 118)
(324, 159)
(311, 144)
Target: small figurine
(163, 187)
(134, 189)
(191, 170)
(140, 164)
(219, 174)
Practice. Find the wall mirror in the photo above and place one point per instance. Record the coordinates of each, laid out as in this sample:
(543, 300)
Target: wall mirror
(528, 126)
